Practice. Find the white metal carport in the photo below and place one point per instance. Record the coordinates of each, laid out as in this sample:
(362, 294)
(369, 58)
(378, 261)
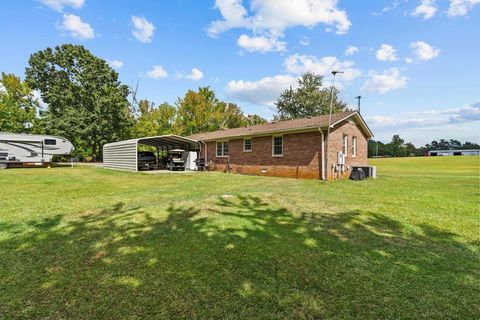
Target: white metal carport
(123, 154)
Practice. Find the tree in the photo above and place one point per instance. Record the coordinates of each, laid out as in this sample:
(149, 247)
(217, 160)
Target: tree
(200, 111)
(196, 112)
(397, 146)
(86, 101)
(18, 105)
(153, 121)
(470, 145)
(308, 99)
(254, 119)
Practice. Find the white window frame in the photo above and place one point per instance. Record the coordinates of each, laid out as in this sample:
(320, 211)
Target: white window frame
(251, 144)
(345, 144)
(273, 146)
(354, 147)
(222, 143)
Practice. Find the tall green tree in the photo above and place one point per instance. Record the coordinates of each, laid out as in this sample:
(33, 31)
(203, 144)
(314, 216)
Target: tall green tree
(153, 121)
(201, 111)
(196, 112)
(86, 101)
(310, 98)
(18, 105)
(254, 119)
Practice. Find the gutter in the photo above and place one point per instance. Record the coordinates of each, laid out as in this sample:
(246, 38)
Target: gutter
(323, 153)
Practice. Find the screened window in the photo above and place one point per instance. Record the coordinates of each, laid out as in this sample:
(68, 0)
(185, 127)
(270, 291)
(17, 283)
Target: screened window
(354, 146)
(247, 145)
(222, 148)
(277, 146)
(345, 144)
(50, 142)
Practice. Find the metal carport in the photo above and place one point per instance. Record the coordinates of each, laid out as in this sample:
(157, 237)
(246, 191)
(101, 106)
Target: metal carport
(123, 154)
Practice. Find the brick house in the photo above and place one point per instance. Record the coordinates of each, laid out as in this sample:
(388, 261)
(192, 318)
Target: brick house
(296, 148)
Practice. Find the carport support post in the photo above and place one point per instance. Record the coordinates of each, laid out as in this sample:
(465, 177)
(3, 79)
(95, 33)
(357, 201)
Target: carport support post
(158, 156)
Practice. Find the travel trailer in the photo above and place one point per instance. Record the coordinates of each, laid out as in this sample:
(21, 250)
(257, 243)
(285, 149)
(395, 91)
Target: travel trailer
(17, 149)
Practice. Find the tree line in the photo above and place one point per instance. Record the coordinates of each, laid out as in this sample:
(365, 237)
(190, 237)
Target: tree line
(397, 147)
(84, 101)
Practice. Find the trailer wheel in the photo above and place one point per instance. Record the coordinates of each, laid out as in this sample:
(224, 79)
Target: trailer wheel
(3, 165)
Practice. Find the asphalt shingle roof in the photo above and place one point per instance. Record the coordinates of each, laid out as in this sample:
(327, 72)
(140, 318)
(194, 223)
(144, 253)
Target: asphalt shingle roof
(280, 126)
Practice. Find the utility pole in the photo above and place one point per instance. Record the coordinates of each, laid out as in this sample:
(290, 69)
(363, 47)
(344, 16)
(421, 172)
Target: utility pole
(358, 98)
(330, 119)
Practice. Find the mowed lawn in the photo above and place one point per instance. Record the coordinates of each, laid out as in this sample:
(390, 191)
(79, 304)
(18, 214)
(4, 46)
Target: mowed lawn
(88, 243)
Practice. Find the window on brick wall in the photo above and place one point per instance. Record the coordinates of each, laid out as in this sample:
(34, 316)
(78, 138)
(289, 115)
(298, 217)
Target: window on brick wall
(247, 145)
(222, 148)
(345, 144)
(354, 146)
(277, 146)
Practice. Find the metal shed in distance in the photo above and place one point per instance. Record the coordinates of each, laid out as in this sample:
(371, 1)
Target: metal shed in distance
(123, 155)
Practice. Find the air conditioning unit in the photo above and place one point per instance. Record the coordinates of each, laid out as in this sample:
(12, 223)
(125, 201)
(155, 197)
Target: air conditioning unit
(370, 171)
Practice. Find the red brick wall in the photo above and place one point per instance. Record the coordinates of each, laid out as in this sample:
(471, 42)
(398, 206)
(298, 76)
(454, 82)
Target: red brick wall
(301, 154)
(336, 142)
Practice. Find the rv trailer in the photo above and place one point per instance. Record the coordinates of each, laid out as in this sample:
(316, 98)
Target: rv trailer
(21, 149)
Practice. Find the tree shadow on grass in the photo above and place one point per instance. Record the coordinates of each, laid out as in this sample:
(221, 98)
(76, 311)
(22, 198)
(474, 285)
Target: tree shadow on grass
(241, 258)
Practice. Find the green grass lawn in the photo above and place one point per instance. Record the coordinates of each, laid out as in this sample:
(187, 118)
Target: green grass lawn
(88, 243)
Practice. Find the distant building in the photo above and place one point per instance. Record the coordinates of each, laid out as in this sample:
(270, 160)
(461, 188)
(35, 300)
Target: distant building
(469, 152)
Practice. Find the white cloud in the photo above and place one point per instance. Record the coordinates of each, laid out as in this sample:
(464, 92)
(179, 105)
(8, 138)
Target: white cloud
(116, 64)
(387, 8)
(323, 66)
(305, 41)
(426, 8)
(387, 81)
(467, 113)
(351, 50)
(262, 92)
(261, 43)
(270, 18)
(424, 51)
(408, 60)
(142, 29)
(386, 53)
(58, 5)
(195, 75)
(461, 7)
(278, 15)
(157, 72)
(76, 27)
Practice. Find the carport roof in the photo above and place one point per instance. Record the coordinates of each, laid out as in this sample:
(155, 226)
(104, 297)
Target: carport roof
(169, 140)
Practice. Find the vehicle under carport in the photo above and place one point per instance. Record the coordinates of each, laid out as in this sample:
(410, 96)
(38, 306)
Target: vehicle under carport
(123, 155)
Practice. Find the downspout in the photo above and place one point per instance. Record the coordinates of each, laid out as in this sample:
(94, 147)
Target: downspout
(323, 153)
(206, 156)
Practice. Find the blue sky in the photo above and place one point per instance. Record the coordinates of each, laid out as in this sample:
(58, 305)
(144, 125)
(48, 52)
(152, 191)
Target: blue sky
(415, 63)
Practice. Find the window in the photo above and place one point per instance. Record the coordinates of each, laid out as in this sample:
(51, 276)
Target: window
(277, 149)
(354, 146)
(50, 142)
(345, 144)
(247, 145)
(222, 148)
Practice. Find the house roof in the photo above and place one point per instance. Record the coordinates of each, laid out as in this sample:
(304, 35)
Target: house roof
(284, 126)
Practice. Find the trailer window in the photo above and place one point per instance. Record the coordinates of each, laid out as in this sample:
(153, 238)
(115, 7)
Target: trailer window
(50, 142)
